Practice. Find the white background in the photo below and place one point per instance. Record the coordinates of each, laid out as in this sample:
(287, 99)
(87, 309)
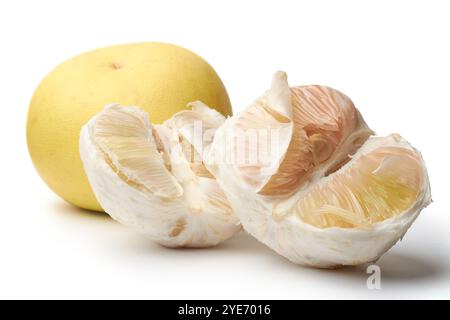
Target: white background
(390, 57)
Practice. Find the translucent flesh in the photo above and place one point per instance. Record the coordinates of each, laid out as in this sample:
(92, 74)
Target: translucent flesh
(377, 186)
(134, 151)
(321, 118)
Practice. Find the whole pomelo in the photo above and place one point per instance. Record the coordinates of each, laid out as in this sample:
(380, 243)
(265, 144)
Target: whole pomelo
(160, 78)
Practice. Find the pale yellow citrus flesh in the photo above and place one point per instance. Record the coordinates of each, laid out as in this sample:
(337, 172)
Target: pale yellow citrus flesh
(376, 186)
(129, 146)
(160, 78)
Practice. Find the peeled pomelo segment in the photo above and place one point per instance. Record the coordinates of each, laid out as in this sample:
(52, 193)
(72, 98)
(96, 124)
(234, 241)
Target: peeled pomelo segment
(376, 186)
(355, 197)
(324, 120)
(133, 149)
(145, 177)
(289, 133)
